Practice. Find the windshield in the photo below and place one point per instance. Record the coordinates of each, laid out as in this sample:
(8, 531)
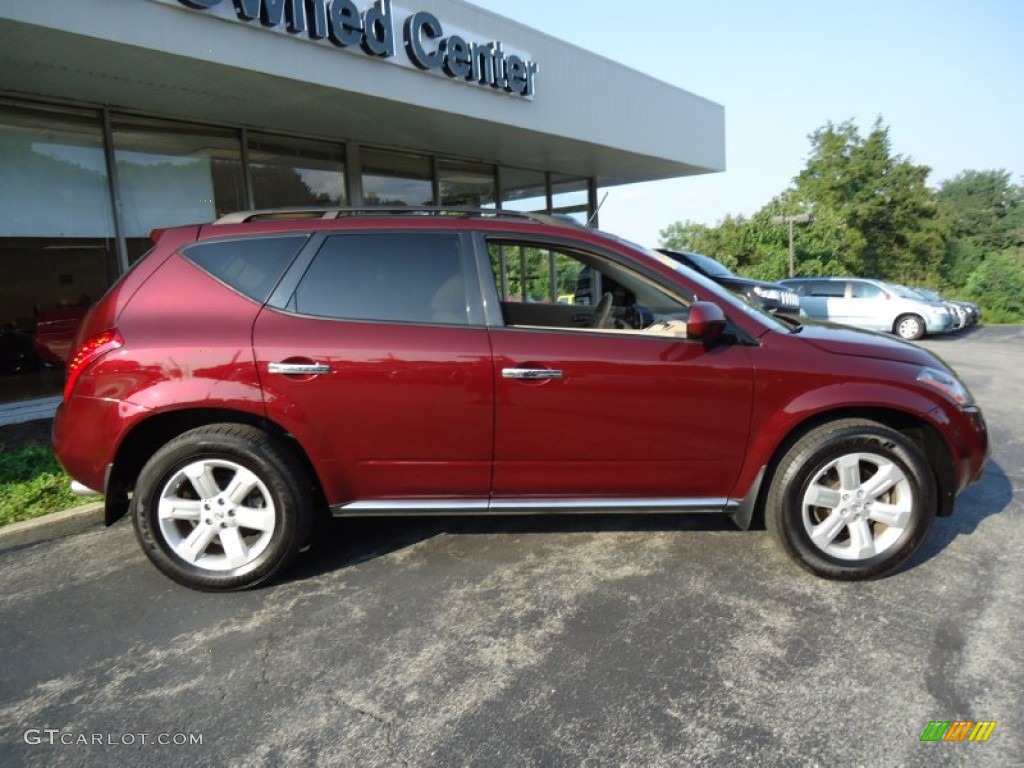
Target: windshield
(708, 288)
(709, 266)
(903, 292)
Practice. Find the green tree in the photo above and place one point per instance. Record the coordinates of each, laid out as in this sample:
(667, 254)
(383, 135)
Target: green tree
(892, 225)
(998, 285)
(986, 209)
(986, 213)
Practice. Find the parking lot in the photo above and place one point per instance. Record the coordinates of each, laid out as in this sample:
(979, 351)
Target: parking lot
(585, 641)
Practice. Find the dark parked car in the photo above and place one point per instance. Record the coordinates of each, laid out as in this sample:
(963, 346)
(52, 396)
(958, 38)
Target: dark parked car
(772, 297)
(16, 352)
(250, 374)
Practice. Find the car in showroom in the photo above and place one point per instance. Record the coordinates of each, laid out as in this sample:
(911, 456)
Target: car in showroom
(55, 332)
(771, 297)
(248, 375)
(873, 305)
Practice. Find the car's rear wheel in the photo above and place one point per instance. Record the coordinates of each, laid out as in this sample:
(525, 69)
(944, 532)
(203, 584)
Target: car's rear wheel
(221, 507)
(909, 327)
(851, 500)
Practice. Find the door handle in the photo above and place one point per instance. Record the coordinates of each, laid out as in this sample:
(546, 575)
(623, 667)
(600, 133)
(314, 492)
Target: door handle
(530, 374)
(299, 369)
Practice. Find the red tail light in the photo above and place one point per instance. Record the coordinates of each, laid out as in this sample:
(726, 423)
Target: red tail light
(91, 349)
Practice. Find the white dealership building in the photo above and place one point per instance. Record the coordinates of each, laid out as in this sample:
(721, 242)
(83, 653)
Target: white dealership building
(121, 116)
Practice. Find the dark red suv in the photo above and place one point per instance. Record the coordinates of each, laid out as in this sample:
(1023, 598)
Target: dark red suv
(250, 374)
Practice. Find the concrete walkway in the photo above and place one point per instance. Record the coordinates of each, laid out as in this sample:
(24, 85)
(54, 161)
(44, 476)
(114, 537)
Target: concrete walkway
(28, 410)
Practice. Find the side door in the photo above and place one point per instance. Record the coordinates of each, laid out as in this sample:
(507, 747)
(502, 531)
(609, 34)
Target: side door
(872, 308)
(827, 301)
(630, 411)
(372, 351)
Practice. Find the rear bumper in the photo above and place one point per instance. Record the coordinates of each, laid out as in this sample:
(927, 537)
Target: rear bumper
(86, 434)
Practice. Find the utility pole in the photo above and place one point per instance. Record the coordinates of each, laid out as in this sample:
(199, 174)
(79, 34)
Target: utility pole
(797, 218)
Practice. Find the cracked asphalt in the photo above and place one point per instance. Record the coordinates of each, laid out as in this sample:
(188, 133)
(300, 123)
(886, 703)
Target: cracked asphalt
(589, 641)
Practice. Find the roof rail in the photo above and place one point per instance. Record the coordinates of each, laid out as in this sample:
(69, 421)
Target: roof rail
(279, 214)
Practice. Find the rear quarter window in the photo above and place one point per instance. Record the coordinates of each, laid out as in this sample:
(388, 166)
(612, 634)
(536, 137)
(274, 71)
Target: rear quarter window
(252, 265)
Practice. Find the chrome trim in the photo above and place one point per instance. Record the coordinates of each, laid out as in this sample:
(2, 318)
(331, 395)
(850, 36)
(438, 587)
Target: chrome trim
(415, 507)
(531, 506)
(531, 374)
(299, 369)
(601, 506)
(83, 490)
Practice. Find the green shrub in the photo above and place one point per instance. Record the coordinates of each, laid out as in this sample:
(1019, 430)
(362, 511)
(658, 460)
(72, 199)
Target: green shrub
(32, 484)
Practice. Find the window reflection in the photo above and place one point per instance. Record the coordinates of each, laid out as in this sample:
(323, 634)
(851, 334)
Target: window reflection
(287, 172)
(57, 246)
(395, 179)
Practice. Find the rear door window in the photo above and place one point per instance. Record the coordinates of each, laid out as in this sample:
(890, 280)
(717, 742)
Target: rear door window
(390, 277)
(865, 291)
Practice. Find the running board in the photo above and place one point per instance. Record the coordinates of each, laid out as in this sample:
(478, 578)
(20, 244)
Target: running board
(531, 507)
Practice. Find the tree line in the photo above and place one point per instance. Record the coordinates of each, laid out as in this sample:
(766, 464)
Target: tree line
(874, 215)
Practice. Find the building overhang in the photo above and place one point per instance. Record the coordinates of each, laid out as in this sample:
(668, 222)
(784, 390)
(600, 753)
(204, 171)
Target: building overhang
(588, 117)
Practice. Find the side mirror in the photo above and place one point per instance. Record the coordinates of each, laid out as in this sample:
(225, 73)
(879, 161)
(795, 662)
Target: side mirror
(706, 321)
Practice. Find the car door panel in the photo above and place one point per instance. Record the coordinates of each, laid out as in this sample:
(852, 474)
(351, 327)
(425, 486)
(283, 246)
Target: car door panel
(626, 416)
(404, 411)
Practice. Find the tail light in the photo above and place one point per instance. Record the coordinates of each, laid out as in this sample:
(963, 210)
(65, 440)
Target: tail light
(90, 349)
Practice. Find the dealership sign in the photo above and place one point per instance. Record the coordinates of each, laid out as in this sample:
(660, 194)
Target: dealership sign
(379, 29)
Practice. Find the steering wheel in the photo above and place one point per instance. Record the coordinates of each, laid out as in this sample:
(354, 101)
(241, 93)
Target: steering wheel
(603, 311)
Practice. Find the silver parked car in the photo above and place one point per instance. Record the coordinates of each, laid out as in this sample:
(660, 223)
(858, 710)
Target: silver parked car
(871, 304)
(968, 310)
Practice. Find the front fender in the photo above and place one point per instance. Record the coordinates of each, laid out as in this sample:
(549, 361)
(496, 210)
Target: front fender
(776, 426)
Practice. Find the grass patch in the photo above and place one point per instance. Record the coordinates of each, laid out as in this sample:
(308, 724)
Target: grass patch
(32, 484)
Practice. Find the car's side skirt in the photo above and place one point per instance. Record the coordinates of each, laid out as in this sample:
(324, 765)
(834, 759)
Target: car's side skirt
(531, 506)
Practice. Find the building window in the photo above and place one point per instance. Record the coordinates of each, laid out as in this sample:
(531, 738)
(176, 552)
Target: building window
(174, 173)
(287, 172)
(570, 195)
(395, 179)
(524, 190)
(58, 253)
(469, 185)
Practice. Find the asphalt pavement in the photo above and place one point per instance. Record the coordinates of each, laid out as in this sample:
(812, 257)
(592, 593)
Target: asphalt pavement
(589, 641)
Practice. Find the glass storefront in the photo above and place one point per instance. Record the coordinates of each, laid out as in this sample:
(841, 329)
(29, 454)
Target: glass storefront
(57, 246)
(170, 174)
(61, 244)
(287, 172)
(570, 196)
(523, 190)
(470, 185)
(397, 179)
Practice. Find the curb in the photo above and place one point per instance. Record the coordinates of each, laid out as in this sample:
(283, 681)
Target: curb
(53, 526)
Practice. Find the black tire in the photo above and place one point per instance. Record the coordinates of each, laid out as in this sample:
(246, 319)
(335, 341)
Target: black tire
(824, 538)
(909, 327)
(250, 534)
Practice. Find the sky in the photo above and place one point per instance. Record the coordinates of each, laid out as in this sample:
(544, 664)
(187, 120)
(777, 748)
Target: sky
(945, 76)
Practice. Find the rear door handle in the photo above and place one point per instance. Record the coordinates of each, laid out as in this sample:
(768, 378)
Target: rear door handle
(299, 369)
(530, 374)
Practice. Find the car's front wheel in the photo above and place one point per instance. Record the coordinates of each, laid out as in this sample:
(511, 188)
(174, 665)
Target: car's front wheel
(221, 507)
(909, 327)
(852, 499)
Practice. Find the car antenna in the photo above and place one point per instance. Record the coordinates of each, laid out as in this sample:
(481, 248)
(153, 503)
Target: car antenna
(597, 210)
